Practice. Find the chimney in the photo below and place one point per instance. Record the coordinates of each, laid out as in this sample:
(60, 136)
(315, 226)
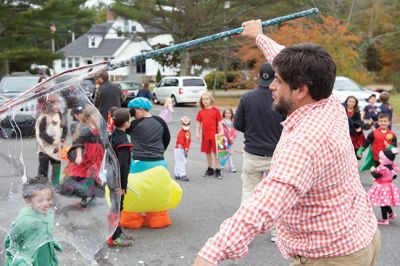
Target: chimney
(109, 16)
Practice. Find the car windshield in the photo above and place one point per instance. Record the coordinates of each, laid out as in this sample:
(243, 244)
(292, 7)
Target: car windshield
(193, 82)
(130, 86)
(347, 85)
(18, 84)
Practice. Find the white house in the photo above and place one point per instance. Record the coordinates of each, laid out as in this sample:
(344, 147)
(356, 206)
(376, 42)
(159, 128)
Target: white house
(109, 40)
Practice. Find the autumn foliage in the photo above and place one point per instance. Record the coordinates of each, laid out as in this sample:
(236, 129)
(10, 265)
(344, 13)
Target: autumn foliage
(331, 33)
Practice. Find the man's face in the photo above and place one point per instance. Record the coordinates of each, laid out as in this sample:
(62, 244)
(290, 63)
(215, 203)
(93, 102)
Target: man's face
(139, 113)
(282, 95)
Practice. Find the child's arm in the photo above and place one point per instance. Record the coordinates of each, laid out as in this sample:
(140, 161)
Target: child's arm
(198, 126)
(124, 158)
(367, 142)
(42, 131)
(78, 159)
(220, 128)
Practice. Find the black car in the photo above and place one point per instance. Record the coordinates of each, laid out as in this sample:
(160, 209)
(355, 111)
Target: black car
(24, 119)
(129, 90)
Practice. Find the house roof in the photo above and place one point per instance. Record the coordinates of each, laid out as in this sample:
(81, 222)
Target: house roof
(100, 29)
(80, 47)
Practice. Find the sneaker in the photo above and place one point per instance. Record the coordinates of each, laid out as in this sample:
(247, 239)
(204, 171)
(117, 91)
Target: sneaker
(125, 236)
(273, 235)
(184, 178)
(218, 173)
(119, 242)
(84, 202)
(392, 216)
(209, 172)
(383, 221)
(233, 170)
(177, 177)
(273, 238)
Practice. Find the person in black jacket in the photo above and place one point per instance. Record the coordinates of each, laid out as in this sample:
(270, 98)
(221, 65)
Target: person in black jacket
(123, 149)
(107, 95)
(262, 130)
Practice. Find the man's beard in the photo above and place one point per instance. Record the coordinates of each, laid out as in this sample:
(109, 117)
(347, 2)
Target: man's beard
(283, 107)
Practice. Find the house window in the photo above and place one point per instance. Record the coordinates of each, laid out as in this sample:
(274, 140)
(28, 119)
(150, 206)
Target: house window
(70, 62)
(133, 28)
(92, 41)
(105, 58)
(76, 61)
(141, 67)
(63, 63)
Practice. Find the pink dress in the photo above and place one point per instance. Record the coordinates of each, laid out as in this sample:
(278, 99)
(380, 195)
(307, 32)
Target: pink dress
(383, 192)
(166, 114)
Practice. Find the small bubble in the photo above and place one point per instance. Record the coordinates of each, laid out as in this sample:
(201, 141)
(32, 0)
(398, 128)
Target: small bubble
(182, 257)
(140, 262)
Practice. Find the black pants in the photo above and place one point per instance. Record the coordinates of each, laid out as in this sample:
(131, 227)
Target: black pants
(385, 211)
(118, 230)
(44, 161)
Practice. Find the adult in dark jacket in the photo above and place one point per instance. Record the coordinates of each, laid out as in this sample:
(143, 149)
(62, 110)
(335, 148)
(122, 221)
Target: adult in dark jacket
(261, 127)
(107, 95)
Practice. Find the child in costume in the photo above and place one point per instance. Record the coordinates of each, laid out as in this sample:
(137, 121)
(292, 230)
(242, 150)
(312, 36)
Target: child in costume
(30, 241)
(380, 139)
(182, 149)
(209, 121)
(386, 107)
(50, 135)
(383, 192)
(85, 159)
(355, 123)
(110, 120)
(123, 148)
(230, 134)
(166, 112)
(370, 113)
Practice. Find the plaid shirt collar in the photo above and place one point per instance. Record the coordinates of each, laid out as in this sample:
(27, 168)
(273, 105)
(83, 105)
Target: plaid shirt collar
(294, 118)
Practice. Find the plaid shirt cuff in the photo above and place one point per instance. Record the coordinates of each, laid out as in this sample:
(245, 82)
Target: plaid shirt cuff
(211, 253)
(269, 47)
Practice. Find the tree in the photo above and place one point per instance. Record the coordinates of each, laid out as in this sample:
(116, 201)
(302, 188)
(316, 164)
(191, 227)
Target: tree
(187, 20)
(25, 30)
(332, 34)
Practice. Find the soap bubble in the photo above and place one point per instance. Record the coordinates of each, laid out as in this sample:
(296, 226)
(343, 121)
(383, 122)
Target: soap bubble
(53, 130)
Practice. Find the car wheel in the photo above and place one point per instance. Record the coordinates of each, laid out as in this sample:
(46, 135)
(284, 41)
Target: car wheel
(174, 102)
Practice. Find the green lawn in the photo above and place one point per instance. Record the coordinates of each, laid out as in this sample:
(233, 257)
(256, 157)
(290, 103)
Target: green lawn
(395, 101)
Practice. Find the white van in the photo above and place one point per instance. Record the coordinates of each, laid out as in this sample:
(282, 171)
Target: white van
(185, 89)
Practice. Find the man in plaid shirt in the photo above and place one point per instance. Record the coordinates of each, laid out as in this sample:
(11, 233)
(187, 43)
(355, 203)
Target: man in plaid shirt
(312, 194)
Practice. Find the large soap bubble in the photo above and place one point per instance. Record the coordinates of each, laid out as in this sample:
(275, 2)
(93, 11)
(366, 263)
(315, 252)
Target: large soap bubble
(53, 130)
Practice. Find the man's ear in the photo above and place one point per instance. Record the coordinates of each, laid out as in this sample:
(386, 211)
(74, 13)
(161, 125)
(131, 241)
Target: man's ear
(302, 92)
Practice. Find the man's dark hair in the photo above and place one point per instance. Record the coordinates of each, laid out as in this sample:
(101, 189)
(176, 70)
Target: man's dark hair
(34, 184)
(121, 116)
(104, 75)
(307, 64)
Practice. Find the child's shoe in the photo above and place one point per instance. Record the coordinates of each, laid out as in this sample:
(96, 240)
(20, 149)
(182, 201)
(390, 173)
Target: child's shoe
(233, 170)
(84, 202)
(184, 178)
(125, 236)
(177, 177)
(392, 216)
(383, 221)
(119, 242)
(218, 173)
(209, 172)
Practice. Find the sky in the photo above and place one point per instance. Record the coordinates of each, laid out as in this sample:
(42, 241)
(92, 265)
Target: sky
(94, 2)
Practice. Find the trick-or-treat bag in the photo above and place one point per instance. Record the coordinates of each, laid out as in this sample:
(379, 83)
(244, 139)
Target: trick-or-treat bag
(55, 166)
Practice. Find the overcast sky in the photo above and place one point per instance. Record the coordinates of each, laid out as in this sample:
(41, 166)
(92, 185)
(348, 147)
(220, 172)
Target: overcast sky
(94, 2)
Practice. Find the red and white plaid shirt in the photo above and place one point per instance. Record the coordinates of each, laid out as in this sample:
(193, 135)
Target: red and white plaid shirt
(312, 194)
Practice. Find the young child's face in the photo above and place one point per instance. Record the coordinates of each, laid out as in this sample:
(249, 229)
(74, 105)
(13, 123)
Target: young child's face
(383, 123)
(42, 200)
(372, 100)
(351, 103)
(95, 119)
(228, 114)
(206, 100)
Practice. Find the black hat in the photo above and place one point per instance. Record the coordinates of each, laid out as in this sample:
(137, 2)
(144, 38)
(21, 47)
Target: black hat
(77, 110)
(267, 75)
(390, 153)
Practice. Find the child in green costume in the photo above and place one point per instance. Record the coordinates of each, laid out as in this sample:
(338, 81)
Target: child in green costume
(30, 241)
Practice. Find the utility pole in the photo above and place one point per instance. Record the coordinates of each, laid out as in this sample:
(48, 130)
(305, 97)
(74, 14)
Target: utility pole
(53, 30)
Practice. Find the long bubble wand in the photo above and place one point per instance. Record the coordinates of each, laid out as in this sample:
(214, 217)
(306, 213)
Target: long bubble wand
(118, 63)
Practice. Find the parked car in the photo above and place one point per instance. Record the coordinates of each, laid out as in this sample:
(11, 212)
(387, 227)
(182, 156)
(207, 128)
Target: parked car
(345, 87)
(186, 89)
(25, 119)
(129, 90)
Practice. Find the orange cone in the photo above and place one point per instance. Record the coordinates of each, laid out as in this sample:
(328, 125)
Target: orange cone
(131, 220)
(158, 219)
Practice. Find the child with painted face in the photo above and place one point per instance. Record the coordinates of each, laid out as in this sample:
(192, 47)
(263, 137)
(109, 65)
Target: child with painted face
(383, 192)
(209, 121)
(30, 241)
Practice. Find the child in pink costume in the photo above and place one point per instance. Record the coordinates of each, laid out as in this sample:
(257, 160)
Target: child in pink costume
(230, 134)
(383, 192)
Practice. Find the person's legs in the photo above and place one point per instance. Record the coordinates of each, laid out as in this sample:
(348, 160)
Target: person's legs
(210, 170)
(253, 168)
(44, 161)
